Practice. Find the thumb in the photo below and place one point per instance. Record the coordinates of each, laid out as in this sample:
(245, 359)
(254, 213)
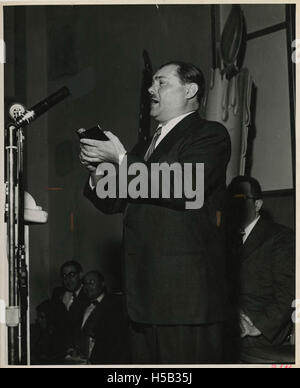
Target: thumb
(115, 140)
(111, 136)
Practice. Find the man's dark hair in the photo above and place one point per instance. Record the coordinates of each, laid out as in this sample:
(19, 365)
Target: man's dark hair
(189, 73)
(256, 191)
(71, 263)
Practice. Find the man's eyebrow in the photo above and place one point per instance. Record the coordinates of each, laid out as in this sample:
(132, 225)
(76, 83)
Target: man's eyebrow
(157, 77)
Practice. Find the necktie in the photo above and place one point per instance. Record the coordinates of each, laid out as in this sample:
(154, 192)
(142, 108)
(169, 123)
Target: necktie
(95, 302)
(242, 234)
(153, 142)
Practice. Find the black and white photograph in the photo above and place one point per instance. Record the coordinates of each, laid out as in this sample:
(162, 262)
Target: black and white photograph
(148, 186)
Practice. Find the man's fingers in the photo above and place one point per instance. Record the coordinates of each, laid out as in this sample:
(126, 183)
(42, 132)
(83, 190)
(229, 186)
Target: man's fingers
(92, 160)
(91, 142)
(88, 154)
(86, 148)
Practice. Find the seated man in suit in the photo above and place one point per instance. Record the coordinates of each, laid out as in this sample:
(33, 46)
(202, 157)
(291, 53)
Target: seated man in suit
(267, 268)
(104, 336)
(68, 305)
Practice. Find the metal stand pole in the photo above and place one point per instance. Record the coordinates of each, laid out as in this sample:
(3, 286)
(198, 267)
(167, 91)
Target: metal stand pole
(11, 157)
(21, 254)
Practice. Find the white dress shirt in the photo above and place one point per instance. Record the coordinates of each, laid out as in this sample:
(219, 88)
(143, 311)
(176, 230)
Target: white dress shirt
(90, 309)
(68, 298)
(249, 229)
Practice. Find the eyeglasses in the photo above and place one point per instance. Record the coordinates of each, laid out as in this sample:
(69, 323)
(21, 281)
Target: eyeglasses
(70, 275)
(243, 196)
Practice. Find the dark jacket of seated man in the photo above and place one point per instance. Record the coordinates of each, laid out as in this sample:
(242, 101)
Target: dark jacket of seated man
(68, 304)
(267, 269)
(104, 331)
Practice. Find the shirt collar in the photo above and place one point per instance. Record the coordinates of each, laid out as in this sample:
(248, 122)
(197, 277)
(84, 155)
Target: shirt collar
(165, 129)
(100, 297)
(76, 292)
(249, 228)
(173, 122)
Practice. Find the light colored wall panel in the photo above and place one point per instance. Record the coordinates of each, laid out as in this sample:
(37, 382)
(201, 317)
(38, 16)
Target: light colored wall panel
(258, 16)
(272, 161)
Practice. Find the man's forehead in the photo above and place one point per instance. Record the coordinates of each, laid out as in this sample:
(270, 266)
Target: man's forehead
(166, 71)
(90, 277)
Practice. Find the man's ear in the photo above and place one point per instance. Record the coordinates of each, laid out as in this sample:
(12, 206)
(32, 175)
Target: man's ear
(258, 205)
(191, 90)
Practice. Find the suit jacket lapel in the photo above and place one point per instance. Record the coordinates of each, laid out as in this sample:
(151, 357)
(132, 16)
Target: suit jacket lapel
(171, 138)
(255, 239)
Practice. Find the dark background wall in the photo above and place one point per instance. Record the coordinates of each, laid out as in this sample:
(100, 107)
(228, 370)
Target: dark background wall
(49, 45)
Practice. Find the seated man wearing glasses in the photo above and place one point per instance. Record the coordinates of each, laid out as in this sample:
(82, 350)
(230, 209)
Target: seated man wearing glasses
(266, 261)
(68, 303)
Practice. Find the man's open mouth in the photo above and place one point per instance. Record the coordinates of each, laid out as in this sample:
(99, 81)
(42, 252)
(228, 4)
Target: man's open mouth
(154, 101)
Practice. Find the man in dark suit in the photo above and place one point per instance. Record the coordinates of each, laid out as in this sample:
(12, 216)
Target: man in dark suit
(104, 337)
(174, 256)
(267, 268)
(68, 304)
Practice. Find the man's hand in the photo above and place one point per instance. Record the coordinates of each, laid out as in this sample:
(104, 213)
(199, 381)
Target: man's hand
(95, 151)
(248, 328)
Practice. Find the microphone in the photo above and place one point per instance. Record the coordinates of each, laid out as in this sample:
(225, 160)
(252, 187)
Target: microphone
(50, 101)
(42, 107)
(77, 86)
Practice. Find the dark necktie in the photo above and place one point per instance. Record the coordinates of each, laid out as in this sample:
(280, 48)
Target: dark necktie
(95, 302)
(152, 145)
(242, 234)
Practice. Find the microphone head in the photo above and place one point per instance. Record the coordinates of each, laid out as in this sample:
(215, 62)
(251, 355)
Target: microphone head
(16, 110)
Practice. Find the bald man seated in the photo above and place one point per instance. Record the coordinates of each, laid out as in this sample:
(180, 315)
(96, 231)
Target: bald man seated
(104, 336)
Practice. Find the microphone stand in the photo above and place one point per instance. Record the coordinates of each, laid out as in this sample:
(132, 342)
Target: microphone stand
(16, 312)
(15, 224)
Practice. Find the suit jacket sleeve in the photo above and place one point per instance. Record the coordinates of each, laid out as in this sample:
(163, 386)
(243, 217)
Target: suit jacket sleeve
(107, 205)
(278, 314)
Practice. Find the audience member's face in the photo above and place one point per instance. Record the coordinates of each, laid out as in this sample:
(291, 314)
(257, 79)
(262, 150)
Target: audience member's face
(92, 286)
(242, 205)
(71, 278)
(168, 94)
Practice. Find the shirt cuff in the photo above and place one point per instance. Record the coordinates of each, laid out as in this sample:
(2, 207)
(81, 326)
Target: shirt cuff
(99, 172)
(91, 183)
(121, 157)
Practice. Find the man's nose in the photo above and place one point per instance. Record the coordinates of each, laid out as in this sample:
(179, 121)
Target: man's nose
(151, 90)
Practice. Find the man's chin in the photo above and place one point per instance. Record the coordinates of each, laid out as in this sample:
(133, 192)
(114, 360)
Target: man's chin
(154, 112)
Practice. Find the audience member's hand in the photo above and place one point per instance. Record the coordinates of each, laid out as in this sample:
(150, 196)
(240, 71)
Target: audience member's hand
(247, 327)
